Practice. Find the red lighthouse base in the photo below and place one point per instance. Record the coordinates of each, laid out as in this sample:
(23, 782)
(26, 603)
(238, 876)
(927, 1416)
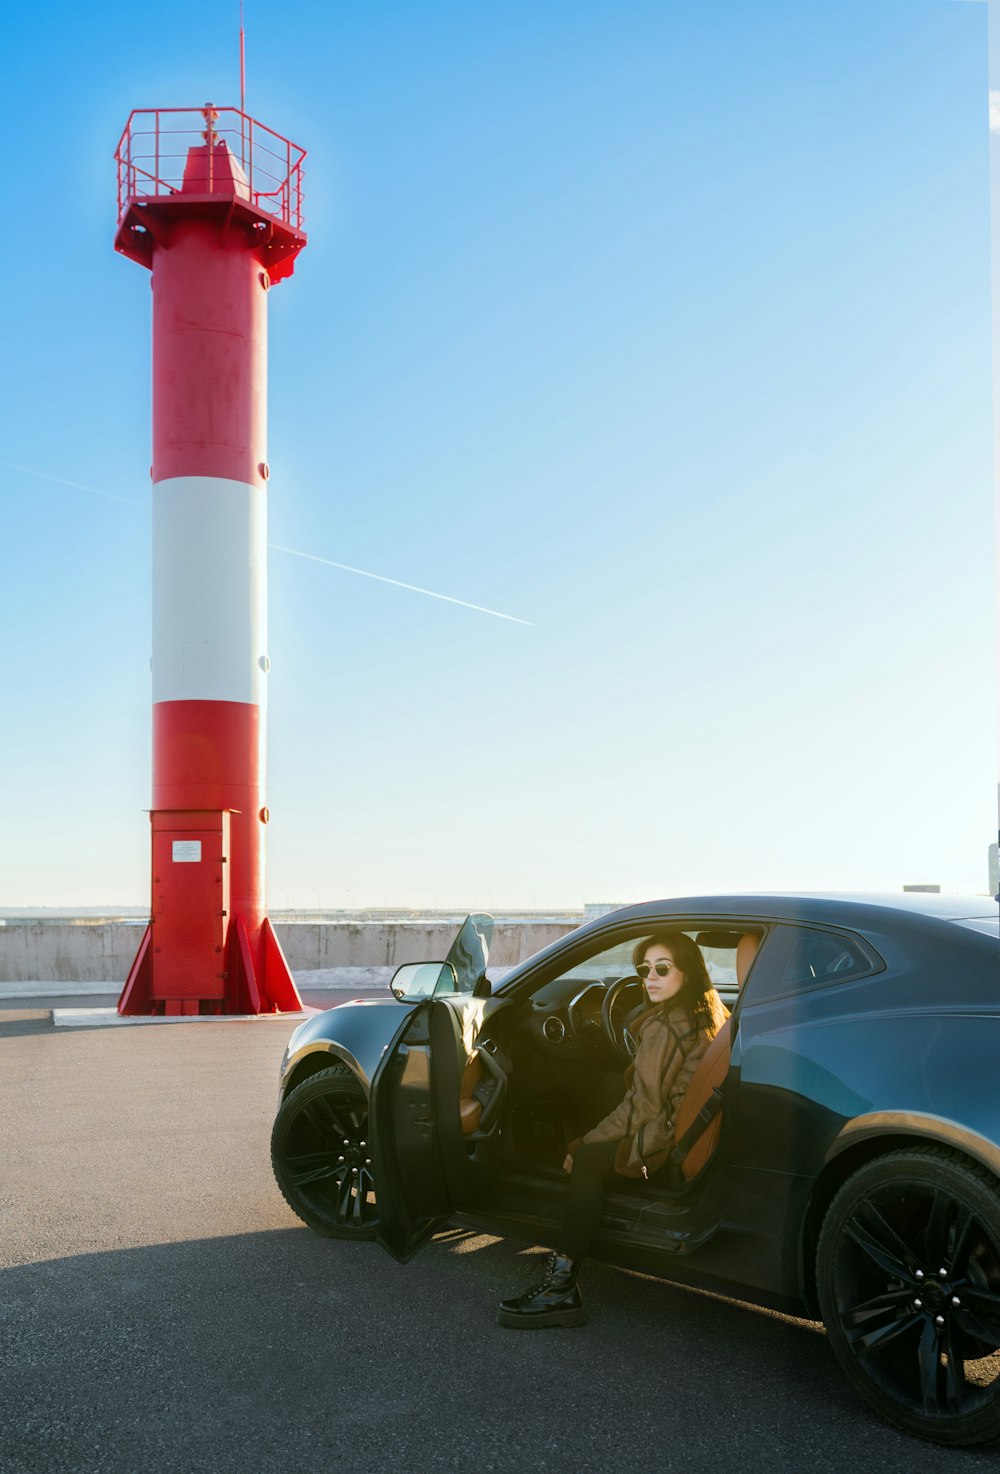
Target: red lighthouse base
(196, 956)
(262, 987)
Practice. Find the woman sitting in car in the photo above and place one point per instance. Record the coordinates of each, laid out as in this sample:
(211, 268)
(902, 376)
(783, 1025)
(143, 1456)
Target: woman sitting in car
(636, 1139)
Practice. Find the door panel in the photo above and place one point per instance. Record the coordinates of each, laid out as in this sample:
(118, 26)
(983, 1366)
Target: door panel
(410, 1190)
(425, 1165)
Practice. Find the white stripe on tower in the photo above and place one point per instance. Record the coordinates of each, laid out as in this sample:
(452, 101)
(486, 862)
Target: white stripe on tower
(209, 591)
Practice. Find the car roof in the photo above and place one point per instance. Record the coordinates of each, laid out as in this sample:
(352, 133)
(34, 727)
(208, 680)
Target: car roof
(819, 905)
(866, 912)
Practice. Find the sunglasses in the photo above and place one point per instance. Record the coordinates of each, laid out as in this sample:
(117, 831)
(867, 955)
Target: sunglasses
(662, 968)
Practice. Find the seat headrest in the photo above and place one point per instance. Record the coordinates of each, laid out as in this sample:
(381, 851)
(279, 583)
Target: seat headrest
(719, 936)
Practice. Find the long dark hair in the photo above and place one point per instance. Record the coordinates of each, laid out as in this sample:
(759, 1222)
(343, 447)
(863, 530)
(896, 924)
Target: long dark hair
(697, 997)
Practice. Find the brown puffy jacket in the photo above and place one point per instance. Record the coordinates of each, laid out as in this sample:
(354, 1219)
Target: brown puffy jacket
(668, 1049)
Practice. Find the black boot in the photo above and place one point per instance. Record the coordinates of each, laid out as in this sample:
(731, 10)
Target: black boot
(555, 1302)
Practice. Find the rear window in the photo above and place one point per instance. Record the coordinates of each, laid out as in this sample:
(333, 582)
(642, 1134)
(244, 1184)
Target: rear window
(988, 925)
(822, 957)
(801, 957)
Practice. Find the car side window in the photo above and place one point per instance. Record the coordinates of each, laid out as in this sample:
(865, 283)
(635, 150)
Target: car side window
(616, 961)
(809, 957)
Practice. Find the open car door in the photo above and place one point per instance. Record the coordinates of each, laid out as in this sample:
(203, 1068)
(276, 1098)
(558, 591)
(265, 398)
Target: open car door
(436, 1102)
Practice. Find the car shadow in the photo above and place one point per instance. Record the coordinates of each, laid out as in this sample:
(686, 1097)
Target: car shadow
(280, 1350)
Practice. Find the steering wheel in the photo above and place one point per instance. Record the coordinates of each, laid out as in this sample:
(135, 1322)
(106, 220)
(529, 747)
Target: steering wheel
(613, 1014)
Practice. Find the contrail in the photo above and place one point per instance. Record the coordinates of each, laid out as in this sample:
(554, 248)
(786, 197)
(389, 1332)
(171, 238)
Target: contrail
(61, 481)
(413, 588)
(280, 548)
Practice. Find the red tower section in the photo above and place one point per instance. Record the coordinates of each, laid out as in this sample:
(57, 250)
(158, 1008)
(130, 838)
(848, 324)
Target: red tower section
(211, 202)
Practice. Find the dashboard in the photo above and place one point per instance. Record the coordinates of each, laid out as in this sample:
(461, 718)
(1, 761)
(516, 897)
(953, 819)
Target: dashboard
(563, 1019)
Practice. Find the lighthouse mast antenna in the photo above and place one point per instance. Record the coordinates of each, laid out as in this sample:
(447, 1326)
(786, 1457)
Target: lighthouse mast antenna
(243, 63)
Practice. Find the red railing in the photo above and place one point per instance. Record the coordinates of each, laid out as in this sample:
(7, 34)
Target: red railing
(153, 152)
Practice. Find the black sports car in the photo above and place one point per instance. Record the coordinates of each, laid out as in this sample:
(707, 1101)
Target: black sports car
(838, 1150)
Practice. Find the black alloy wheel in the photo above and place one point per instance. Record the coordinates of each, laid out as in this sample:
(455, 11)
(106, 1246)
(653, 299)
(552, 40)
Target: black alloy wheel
(321, 1155)
(908, 1275)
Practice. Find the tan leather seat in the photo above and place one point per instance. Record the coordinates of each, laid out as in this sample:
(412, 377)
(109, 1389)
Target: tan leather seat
(710, 1075)
(746, 951)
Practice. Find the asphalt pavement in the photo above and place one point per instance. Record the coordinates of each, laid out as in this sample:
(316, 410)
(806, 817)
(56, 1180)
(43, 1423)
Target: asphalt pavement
(163, 1312)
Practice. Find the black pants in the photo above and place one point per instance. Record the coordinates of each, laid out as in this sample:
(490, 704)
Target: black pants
(593, 1165)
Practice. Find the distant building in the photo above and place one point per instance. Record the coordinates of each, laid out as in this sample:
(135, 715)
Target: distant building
(593, 909)
(931, 890)
(994, 870)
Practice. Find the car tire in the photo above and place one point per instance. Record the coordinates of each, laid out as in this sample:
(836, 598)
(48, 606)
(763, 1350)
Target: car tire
(908, 1277)
(321, 1155)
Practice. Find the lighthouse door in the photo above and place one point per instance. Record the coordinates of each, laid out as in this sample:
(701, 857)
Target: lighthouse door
(190, 903)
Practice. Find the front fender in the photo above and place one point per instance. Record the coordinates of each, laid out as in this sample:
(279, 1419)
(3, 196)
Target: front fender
(356, 1034)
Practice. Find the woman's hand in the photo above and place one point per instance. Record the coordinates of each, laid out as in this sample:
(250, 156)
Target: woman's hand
(568, 1163)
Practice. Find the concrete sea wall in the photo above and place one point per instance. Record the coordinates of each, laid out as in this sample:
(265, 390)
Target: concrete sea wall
(102, 952)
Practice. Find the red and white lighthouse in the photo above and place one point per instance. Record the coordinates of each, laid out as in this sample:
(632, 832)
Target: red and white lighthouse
(211, 202)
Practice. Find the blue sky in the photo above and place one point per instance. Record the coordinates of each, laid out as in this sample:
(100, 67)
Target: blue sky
(662, 327)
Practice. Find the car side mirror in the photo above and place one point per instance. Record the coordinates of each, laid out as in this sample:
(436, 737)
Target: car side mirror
(416, 980)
